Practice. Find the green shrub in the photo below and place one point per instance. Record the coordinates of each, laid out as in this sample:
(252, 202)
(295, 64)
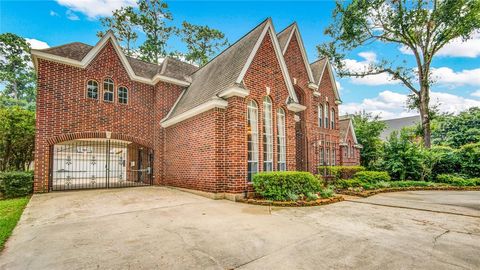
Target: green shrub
(447, 160)
(469, 156)
(372, 176)
(456, 180)
(282, 186)
(341, 172)
(326, 193)
(348, 183)
(311, 196)
(16, 184)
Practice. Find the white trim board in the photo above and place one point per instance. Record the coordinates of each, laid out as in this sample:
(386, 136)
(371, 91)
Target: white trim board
(332, 80)
(94, 52)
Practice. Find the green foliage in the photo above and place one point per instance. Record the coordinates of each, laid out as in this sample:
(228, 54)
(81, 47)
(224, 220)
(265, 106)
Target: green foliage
(411, 184)
(16, 184)
(326, 193)
(15, 71)
(367, 130)
(122, 23)
(341, 172)
(469, 156)
(348, 183)
(447, 160)
(283, 185)
(17, 138)
(372, 176)
(202, 42)
(10, 212)
(457, 130)
(456, 180)
(311, 196)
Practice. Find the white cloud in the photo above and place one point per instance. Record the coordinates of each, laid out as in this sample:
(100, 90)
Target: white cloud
(37, 44)
(456, 48)
(96, 8)
(447, 76)
(388, 104)
(476, 93)
(369, 58)
(71, 15)
(53, 13)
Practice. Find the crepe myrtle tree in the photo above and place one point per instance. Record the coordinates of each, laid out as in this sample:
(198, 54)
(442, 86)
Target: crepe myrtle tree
(421, 26)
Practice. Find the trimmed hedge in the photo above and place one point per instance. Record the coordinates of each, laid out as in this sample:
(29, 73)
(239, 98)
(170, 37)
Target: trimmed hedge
(456, 180)
(341, 172)
(283, 186)
(372, 176)
(16, 184)
(348, 183)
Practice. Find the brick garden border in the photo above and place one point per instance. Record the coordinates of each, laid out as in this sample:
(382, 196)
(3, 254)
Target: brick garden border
(292, 203)
(368, 193)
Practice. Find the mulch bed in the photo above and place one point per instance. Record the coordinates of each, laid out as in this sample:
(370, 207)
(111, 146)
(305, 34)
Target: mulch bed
(367, 193)
(293, 203)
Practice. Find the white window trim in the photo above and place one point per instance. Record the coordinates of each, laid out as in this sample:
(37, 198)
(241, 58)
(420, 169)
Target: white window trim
(267, 133)
(282, 140)
(118, 95)
(105, 91)
(254, 136)
(98, 90)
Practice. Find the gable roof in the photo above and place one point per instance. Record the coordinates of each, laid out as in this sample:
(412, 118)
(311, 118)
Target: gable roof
(284, 38)
(226, 71)
(397, 124)
(318, 69)
(80, 55)
(345, 125)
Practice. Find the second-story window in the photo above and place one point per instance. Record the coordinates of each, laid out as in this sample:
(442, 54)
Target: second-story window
(326, 115)
(332, 119)
(122, 95)
(108, 90)
(320, 118)
(92, 89)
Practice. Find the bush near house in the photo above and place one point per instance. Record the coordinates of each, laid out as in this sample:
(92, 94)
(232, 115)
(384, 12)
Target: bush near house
(341, 172)
(16, 184)
(283, 186)
(348, 183)
(457, 180)
(372, 176)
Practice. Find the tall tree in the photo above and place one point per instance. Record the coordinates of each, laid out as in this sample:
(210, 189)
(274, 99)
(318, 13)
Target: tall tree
(422, 26)
(122, 23)
(202, 42)
(16, 72)
(152, 17)
(367, 130)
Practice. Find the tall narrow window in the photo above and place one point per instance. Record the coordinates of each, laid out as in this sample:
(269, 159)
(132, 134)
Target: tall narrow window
(332, 119)
(320, 118)
(327, 154)
(281, 142)
(334, 156)
(322, 160)
(108, 90)
(122, 95)
(252, 139)
(326, 115)
(349, 149)
(92, 89)
(267, 135)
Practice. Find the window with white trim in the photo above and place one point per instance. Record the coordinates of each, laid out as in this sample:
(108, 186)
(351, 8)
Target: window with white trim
(327, 153)
(267, 135)
(322, 160)
(281, 141)
(334, 156)
(332, 119)
(108, 88)
(320, 118)
(92, 89)
(326, 113)
(122, 95)
(252, 139)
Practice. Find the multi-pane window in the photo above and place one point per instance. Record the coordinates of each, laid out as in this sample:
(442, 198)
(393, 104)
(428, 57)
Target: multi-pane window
(252, 139)
(122, 95)
(108, 90)
(320, 119)
(334, 156)
(327, 154)
(281, 140)
(322, 160)
(92, 89)
(267, 135)
(326, 115)
(332, 119)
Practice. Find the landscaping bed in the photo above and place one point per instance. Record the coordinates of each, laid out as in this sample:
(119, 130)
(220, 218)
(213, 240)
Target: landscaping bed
(302, 203)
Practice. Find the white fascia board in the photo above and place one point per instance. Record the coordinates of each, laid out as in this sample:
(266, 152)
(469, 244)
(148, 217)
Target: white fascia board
(211, 104)
(304, 54)
(174, 105)
(278, 53)
(316, 93)
(295, 107)
(332, 80)
(353, 132)
(312, 86)
(94, 52)
(234, 91)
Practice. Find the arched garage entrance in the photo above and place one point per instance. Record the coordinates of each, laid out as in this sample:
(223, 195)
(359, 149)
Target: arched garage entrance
(99, 163)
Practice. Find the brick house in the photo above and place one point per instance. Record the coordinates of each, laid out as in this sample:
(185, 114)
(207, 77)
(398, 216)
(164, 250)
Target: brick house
(108, 120)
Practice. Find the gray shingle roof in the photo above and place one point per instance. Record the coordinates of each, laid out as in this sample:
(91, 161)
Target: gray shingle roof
(218, 74)
(397, 125)
(76, 50)
(343, 125)
(317, 68)
(284, 35)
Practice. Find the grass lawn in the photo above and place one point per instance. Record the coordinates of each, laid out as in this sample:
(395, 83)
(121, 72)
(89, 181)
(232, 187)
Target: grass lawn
(10, 212)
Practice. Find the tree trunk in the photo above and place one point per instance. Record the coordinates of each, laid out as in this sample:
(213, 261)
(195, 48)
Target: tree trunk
(425, 115)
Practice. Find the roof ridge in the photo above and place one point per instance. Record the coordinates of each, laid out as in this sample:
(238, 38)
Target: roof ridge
(284, 29)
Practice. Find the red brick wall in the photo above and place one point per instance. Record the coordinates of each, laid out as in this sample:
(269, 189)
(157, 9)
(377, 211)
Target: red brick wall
(354, 158)
(314, 134)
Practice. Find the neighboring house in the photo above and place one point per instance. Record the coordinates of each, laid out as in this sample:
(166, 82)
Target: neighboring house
(397, 124)
(108, 120)
(349, 146)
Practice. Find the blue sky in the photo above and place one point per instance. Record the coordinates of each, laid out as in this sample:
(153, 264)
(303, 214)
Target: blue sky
(457, 69)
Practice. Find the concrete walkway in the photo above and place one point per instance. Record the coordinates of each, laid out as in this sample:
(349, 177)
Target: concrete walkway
(161, 228)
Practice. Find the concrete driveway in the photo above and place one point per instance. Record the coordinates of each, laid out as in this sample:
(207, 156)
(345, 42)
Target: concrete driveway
(161, 228)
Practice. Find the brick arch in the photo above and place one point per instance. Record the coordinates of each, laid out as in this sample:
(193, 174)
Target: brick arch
(97, 135)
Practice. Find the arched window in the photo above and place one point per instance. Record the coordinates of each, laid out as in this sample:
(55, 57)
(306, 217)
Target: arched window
(92, 89)
(252, 139)
(332, 119)
(320, 118)
(281, 141)
(326, 113)
(108, 90)
(122, 95)
(267, 135)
